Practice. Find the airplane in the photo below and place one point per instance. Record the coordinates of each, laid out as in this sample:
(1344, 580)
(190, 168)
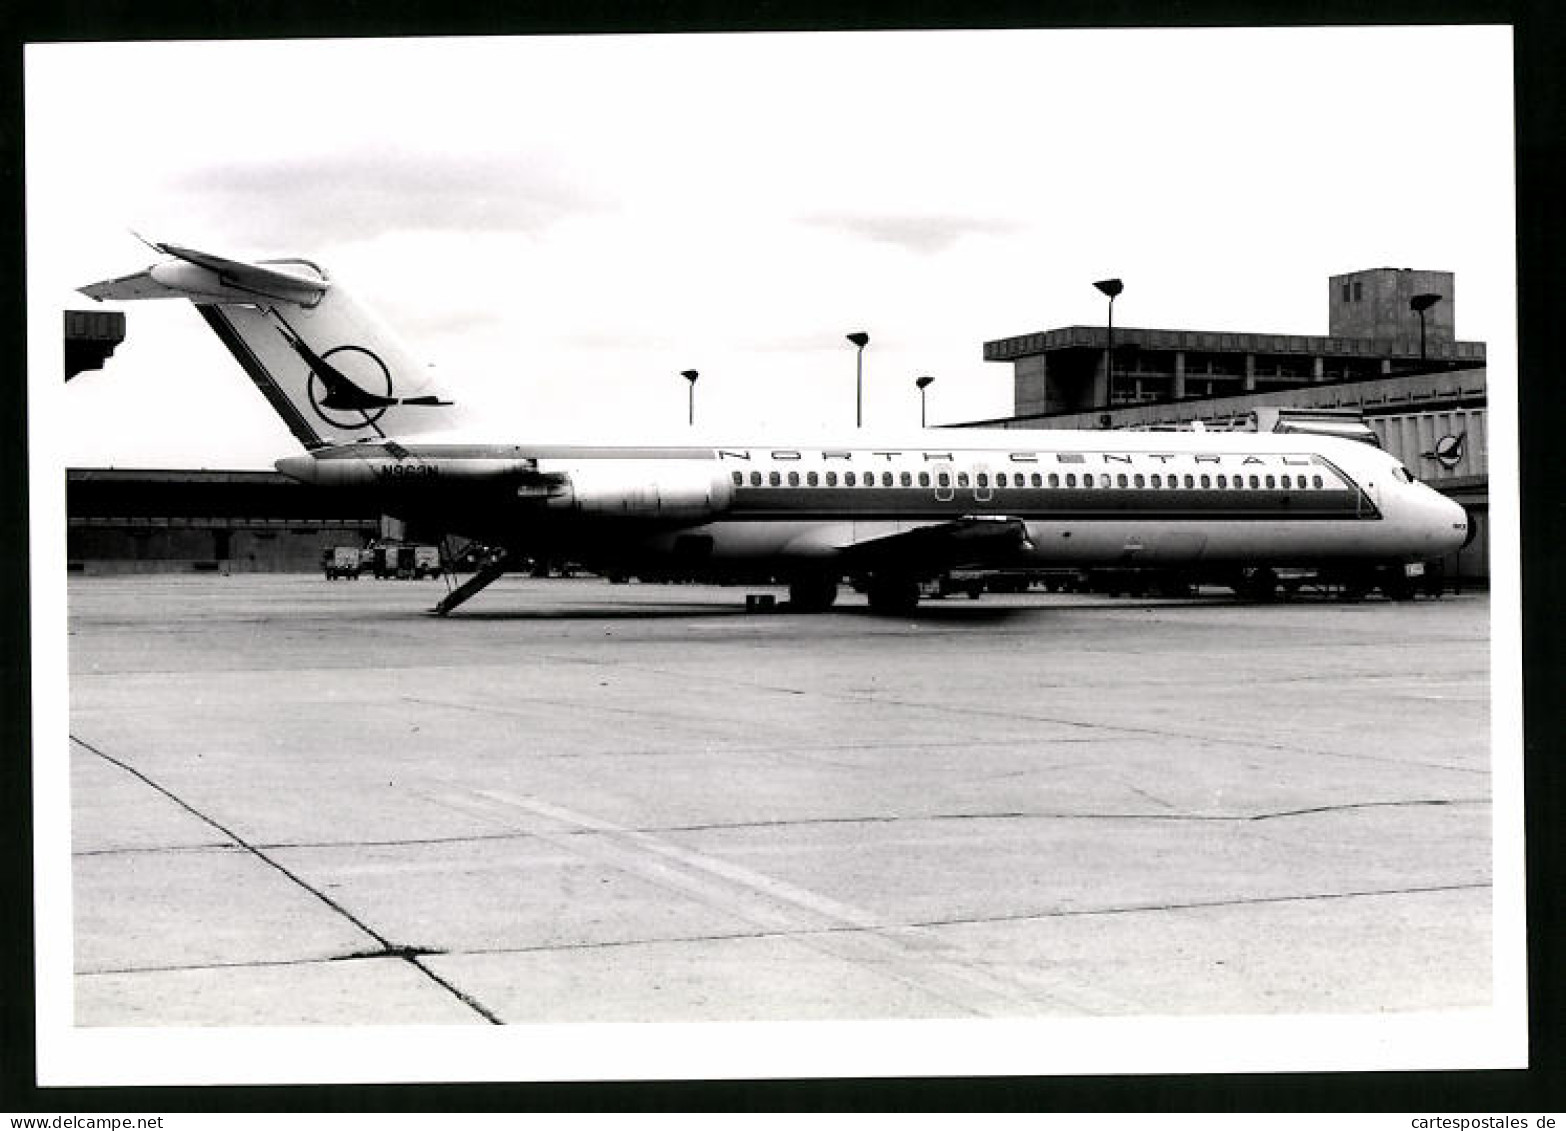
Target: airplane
(889, 515)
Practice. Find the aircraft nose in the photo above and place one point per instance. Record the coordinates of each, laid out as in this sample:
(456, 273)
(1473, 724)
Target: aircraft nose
(1454, 524)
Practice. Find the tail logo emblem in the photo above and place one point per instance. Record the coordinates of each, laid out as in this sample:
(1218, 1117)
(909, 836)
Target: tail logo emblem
(332, 391)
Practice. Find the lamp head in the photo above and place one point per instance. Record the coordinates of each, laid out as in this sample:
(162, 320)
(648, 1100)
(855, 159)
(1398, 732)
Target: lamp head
(859, 338)
(1421, 303)
(1110, 287)
(924, 382)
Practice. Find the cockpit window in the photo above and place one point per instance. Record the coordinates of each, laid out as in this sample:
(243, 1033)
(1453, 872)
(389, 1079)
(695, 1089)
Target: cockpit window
(1402, 474)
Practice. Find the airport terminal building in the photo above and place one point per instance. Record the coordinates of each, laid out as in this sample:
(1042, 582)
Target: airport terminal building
(1389, 355)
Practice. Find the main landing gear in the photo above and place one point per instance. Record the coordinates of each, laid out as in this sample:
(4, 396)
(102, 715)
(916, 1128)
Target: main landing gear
(893, 594)
(812, 593)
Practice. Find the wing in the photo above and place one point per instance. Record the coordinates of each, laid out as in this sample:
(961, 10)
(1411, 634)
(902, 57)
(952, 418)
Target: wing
(972, 540)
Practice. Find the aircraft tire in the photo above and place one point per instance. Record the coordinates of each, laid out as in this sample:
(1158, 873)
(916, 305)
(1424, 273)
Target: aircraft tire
(812, 594)
(894, 596)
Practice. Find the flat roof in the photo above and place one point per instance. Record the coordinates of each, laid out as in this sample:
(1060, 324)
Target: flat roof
(1226, 341)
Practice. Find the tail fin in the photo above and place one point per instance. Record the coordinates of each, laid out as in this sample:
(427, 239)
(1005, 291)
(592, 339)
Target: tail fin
(328, 367)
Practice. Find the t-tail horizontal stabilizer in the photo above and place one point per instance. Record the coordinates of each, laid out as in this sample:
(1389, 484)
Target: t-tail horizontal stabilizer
(331, 370)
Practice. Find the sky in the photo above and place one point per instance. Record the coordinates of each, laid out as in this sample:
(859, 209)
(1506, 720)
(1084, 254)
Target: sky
(561, 225)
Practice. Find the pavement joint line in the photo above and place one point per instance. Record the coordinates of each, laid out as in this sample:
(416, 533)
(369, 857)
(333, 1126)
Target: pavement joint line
(854, 935)
(391, 948)
(948, 708)
(886, 819)
(803, 933)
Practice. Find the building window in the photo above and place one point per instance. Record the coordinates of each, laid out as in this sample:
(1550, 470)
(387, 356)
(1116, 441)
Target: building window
(1359, 291)
(1345, 292)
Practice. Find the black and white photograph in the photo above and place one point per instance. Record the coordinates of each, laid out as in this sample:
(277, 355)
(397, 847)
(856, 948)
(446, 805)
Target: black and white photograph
(831, 554)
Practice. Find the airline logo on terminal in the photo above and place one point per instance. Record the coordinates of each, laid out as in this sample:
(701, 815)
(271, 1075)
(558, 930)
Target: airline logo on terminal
(1448, 450)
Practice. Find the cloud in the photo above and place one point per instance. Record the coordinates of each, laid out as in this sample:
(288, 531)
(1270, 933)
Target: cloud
(314, 199)
(921, 235)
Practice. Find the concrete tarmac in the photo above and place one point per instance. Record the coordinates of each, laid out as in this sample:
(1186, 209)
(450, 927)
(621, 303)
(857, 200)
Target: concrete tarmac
(296, 801)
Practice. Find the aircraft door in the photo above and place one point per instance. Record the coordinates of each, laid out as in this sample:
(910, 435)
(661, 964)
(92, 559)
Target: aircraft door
(983, 483)
(945, 477)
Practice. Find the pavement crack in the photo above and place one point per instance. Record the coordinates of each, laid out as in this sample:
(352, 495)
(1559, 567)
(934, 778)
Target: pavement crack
(389, 948)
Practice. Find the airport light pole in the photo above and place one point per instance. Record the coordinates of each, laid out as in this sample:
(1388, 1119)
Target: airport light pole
(691, 375)
(861, 340)
(923, 383)
(1419, 304)
(1112, 288)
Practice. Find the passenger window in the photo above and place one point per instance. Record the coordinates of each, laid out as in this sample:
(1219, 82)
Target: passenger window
(1158, 481)
(984, 479)
(1287, 483)
(774, 478)
(755, 479)
(944, 479)
(886, 478)
(1123, 481)
(1139, 481)
(793, 479)
(1087, 481)
(924, 479)
(1071, 480)
(962, 479)
(848, 478)
(1207, 481)
(739, 479)
(831, 479)
(1315, 481)
(1271, 483)
(811, 479)
(1255, 483)
(1038, 480)
(1054, 479)
(906, 479)
(1190, 481)
(1223, 481)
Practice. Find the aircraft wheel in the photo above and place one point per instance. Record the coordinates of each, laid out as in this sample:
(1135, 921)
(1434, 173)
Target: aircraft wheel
(894, 596)
(812, 594)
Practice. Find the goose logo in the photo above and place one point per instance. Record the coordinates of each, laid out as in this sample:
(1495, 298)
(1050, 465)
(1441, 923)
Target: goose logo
(1448, 450)
(343, 384)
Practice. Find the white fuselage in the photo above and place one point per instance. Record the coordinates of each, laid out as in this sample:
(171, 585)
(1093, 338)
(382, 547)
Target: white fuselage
(1083, 497)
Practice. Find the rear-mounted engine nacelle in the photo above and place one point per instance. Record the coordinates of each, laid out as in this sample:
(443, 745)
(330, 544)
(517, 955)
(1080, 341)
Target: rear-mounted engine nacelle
(635, 489)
